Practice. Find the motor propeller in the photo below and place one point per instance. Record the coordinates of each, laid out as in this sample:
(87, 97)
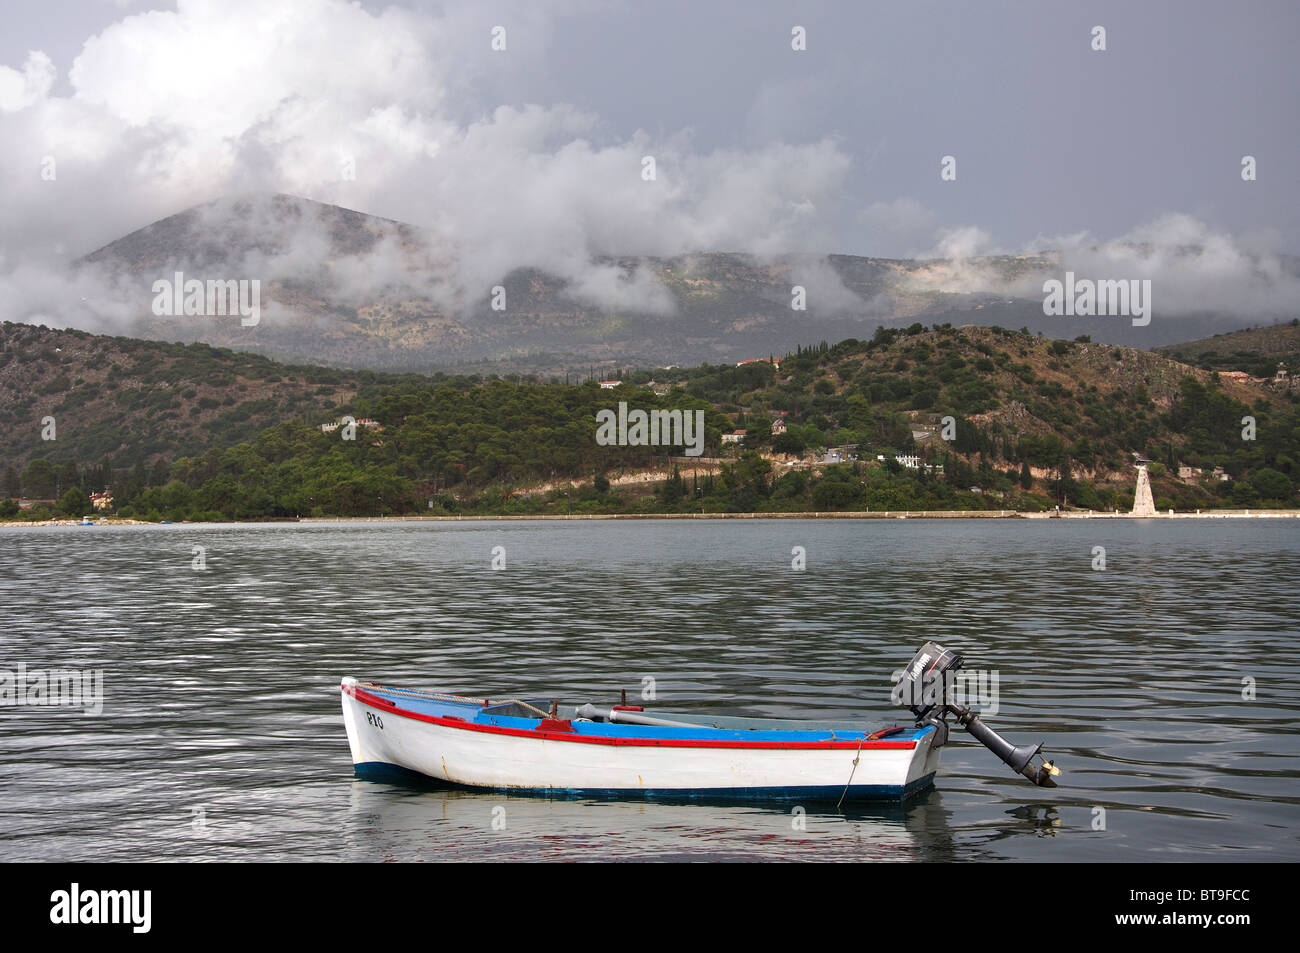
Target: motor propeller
(925, 689)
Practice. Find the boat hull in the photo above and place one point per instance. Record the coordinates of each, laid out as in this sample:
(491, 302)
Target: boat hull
(391, 736)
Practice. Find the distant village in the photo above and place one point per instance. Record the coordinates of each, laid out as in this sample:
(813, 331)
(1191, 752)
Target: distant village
(925, 428)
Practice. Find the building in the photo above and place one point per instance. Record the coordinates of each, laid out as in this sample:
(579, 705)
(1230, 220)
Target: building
(776, 365)
(367, 422)
(609, 385)
(102, 501)
(778, 426)
(1190, 473)
(736, 436)
(912, 462)
(1240, 376)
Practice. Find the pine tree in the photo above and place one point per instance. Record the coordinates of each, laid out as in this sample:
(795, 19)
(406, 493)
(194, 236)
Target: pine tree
(674, 488)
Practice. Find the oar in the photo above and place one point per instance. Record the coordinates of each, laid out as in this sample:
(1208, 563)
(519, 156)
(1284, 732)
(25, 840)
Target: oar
(627, 717)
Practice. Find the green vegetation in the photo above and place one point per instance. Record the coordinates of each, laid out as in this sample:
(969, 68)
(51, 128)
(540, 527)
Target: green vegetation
(995, 419)
(1256, 351)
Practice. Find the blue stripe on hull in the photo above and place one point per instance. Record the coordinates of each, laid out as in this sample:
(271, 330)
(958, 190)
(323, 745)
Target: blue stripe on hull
(391, 773)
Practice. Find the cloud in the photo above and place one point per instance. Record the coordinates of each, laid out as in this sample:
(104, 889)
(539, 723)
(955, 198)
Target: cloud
(1193, 268)
(19, 90)
(399, 113)
(901, 228)
(374, 111)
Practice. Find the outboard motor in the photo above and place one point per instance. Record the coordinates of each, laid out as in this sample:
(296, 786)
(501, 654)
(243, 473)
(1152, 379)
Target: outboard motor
(926, 689)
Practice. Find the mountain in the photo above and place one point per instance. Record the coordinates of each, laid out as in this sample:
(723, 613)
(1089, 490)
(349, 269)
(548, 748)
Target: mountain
(346, 289)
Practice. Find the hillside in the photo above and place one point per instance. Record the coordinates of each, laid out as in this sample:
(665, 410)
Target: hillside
(346, 289)
(1034, 422)
(139, 401)
(1256, 351)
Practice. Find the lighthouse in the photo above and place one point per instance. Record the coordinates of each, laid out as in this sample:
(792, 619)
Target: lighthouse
(1143, 505)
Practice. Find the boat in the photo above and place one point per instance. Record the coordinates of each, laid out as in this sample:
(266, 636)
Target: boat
(535, 746)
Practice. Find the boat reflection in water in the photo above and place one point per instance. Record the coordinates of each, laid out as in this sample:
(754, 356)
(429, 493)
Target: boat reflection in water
(422, 821)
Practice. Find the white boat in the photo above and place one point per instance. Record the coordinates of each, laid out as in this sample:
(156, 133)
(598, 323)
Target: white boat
(538, 747)
(517, 746)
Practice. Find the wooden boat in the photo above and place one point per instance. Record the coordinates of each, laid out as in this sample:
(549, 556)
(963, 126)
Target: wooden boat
(518, 746)
(532, 746)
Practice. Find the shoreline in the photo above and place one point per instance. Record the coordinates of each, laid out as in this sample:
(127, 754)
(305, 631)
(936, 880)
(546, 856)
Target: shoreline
(847, 515)
(854, 515)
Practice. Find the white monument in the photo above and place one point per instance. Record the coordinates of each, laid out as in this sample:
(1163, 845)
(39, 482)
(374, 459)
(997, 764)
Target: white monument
(1143, 505)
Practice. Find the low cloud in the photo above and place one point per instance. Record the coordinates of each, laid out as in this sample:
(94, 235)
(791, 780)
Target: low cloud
(371, 111)
(1193, 268)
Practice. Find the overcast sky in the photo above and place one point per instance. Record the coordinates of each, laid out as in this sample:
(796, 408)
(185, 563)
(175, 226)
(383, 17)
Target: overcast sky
(533, 155)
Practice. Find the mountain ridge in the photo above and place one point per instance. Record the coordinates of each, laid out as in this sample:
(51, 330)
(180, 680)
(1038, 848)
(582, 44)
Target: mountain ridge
(349, 289)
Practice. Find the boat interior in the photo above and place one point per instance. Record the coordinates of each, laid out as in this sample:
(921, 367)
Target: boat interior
(535, 709)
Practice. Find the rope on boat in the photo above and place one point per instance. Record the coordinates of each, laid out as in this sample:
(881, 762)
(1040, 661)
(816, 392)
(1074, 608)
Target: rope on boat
(856, 755)
(420, 693)
(873, 736)
(524, 704)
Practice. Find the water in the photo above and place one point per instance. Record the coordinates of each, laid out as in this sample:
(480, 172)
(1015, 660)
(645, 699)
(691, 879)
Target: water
(221, 736)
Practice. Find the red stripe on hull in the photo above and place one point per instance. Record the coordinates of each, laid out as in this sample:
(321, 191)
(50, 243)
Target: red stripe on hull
(384, 705)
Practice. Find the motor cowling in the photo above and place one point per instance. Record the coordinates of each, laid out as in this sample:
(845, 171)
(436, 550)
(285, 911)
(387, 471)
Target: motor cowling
(925, 689)
(923, 686)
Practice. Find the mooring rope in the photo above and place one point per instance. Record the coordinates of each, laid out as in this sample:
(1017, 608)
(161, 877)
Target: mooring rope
(856, 755)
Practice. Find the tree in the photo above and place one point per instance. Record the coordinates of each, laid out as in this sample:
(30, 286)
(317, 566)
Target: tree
(836, 489)
(73, 502)
(789, 443)
(69, 476)
(1026, 478)
(1271, 484)
(40, 478)
(674, 488)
